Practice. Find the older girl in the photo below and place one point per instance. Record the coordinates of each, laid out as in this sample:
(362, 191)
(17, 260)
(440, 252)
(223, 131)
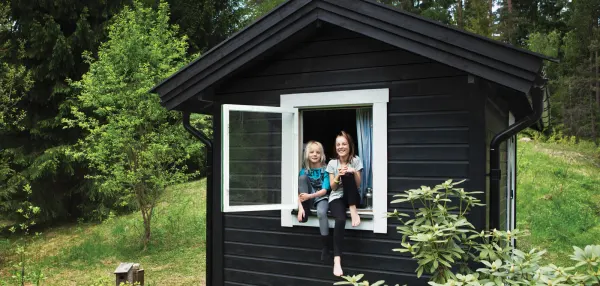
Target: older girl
(313, 186)
(344, 175)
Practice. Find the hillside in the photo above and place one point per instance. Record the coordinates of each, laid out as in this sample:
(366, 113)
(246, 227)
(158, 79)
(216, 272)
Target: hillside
(87, 254)
(558, 197)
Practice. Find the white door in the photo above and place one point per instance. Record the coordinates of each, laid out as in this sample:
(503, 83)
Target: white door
(259, 162)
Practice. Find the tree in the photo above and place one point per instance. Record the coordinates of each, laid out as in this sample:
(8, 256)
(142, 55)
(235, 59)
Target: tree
(257, 8)
(42, 45)
(134, 146)
(15, 79)
(206, 22)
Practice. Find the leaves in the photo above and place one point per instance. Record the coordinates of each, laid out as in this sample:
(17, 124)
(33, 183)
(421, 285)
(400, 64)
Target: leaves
(133, 146)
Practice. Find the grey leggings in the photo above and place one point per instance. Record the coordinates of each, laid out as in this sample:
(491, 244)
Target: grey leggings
(304, 186)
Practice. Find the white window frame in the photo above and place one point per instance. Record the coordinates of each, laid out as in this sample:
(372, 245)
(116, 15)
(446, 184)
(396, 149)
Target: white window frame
(378, 100)
(289, 137)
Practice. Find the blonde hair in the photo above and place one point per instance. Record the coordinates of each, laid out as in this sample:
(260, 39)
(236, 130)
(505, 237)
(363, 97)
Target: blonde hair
(306, 161)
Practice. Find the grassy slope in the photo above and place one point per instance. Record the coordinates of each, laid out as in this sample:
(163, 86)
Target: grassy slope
(558, 197)
(86, 253)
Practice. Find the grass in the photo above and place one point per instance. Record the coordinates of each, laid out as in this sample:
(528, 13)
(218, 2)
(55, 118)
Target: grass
(558, 199)
(84, 254)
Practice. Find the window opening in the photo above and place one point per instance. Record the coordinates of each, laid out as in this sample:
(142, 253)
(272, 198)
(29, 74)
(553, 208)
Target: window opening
(324, 125)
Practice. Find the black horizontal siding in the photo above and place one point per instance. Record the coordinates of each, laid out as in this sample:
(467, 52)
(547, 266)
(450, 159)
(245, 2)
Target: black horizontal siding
(428, 143)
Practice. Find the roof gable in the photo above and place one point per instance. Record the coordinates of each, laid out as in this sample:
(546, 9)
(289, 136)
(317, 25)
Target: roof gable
(495, 61)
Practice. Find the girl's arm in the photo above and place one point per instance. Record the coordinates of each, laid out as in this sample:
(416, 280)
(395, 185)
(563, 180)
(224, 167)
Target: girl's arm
(332, 181)
(319, 193)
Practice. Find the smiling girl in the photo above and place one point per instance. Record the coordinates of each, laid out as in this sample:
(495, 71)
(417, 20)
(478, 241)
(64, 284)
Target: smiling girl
(313, 186)
(344, 175)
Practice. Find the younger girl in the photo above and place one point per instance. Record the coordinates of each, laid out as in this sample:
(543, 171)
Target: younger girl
(313, 186)
(344, 175)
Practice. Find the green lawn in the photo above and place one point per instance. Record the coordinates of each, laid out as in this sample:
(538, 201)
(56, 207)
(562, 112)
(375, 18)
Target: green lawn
(558, 197)
(87, 253)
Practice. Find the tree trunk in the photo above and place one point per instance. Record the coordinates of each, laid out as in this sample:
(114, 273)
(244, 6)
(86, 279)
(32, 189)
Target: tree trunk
(147, 231)
(509, 2)
(459, 9)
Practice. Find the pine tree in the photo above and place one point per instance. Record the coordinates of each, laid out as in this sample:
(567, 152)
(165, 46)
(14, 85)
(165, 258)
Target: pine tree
(52, 36)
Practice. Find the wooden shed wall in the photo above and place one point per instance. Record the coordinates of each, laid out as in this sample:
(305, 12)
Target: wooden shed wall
(433, 114)
(496, 120)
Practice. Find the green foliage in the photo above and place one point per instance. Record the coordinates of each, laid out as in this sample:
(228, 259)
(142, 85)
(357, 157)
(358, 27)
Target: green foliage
(439, 235)
(258, 8)
(134, 146)
(24, 269)
(442, 241)
(41, 45)
(206, 22)
(355, 281)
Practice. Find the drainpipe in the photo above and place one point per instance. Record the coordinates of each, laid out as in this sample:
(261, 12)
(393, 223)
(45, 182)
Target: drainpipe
(537, 99)
(209, 187)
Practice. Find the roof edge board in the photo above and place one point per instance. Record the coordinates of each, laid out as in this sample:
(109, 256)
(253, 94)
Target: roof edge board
(183, 84)
(233, 65)
(430, 52)
(479, 37)
(265, 20)
(434, 43)
(431, 30)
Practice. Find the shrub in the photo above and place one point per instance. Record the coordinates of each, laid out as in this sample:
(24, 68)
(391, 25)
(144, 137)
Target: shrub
(445, 244)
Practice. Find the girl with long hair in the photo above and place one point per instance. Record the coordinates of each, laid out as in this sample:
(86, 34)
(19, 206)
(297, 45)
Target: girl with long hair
(344, 176)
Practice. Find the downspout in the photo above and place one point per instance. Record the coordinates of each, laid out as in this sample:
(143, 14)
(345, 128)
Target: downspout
(209, 187)
(537, 98)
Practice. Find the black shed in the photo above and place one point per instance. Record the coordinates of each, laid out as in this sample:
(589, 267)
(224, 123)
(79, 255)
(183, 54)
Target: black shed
(425, 102)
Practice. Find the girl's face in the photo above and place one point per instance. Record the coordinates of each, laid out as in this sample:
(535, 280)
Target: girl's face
(341, 146)
(314, 154)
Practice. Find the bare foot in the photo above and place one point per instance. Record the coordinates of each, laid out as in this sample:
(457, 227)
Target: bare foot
(355, 219)
(337, 266)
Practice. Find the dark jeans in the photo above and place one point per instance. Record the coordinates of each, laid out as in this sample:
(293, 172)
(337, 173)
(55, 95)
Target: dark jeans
(338, 210)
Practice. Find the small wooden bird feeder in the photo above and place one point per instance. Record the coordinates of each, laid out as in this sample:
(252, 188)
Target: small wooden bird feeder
(129, 273)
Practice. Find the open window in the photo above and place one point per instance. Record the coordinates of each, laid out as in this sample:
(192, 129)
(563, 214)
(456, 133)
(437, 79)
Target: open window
(262, 150)
(259, 155)
(363, 114)
(323, 125)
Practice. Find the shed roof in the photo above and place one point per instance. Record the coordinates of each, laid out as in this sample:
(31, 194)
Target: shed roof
(512, 67)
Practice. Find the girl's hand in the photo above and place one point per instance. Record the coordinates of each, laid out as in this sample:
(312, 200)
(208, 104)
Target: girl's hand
(342, 171)
(350, 170)
(300, 214)
(304, 197)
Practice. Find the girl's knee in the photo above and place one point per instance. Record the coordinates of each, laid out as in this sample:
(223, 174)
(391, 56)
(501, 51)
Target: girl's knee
(348, 175)
(321, 213)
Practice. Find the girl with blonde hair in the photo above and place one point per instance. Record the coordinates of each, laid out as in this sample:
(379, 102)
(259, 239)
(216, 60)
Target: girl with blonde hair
(313, 188)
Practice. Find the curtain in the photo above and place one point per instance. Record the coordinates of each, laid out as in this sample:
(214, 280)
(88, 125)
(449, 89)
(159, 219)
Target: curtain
(364, 132)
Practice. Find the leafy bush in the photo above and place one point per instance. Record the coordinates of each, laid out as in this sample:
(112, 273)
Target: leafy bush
(443, 242)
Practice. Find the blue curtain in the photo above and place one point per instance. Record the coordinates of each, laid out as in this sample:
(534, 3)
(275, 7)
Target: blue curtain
(364, 131)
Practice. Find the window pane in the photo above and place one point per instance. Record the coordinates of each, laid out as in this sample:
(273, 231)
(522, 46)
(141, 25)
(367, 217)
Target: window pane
(254, 158)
